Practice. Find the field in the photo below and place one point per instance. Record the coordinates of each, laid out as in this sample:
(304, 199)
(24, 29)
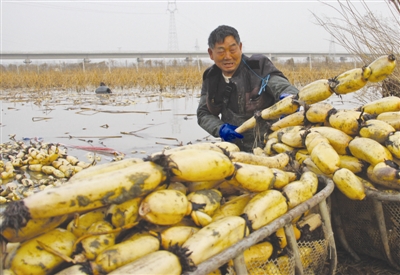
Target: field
(152, 107)
(149, 77)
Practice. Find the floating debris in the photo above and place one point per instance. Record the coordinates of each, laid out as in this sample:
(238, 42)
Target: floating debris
(35, 119)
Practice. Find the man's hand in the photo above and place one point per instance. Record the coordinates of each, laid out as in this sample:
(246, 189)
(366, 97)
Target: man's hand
(282, 96)
(227, 132)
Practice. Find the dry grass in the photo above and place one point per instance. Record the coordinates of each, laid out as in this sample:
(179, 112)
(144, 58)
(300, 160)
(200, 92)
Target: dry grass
(122, 78)
(301, 74)
(47, 78)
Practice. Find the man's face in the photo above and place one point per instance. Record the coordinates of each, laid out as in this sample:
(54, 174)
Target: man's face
(227, 55)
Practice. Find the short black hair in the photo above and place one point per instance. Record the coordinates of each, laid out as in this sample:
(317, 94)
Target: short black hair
(218, 35)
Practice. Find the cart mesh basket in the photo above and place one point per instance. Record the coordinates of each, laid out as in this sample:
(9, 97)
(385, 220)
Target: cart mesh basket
(281, 265)
(313, 252)
(313, 255)
(361, 228)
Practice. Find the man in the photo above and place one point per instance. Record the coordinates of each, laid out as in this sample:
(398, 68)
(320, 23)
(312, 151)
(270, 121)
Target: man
(103, 89)
(237, 86)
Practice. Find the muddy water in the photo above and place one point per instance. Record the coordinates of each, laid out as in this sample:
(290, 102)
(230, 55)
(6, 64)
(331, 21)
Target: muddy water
(134, 123)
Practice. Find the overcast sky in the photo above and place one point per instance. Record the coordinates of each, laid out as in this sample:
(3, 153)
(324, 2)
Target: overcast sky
(91, 26)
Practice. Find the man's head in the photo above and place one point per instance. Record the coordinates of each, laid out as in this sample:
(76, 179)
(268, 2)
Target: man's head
(225, 49)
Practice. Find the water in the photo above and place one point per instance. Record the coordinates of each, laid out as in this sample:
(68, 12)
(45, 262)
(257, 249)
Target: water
(135, 124)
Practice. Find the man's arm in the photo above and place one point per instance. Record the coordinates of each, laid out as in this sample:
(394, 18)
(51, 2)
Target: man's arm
(280, 86)
(206, 120)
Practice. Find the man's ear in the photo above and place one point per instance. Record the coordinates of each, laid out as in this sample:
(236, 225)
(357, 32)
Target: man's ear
(210, 52)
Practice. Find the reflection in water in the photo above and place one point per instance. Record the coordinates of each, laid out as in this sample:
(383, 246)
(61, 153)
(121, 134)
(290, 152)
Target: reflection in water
(160, 103)
(175, 119)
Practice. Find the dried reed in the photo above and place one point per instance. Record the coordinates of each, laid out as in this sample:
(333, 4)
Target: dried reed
(170, 78)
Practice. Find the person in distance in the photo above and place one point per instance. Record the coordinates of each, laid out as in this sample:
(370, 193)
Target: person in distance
(103, 89)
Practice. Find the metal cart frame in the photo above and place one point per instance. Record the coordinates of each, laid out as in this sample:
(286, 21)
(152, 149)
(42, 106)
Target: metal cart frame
(235, 252)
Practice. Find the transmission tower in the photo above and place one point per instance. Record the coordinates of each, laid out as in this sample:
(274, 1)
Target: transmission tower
(173, 37)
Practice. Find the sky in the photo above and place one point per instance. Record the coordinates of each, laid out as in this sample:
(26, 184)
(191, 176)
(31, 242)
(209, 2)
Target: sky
(113, 26)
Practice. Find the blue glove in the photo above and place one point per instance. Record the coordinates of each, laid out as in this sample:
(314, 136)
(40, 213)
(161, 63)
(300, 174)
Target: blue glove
(227, 132)
(282, 96)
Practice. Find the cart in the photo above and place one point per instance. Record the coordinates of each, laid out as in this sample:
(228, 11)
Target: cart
(322, 251)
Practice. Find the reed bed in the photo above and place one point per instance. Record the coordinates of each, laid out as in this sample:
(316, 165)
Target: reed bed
(117, 78)
(170, 78)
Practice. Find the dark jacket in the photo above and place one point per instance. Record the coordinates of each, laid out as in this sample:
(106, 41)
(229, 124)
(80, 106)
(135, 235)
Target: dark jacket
(237, 101)
(102, 89)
